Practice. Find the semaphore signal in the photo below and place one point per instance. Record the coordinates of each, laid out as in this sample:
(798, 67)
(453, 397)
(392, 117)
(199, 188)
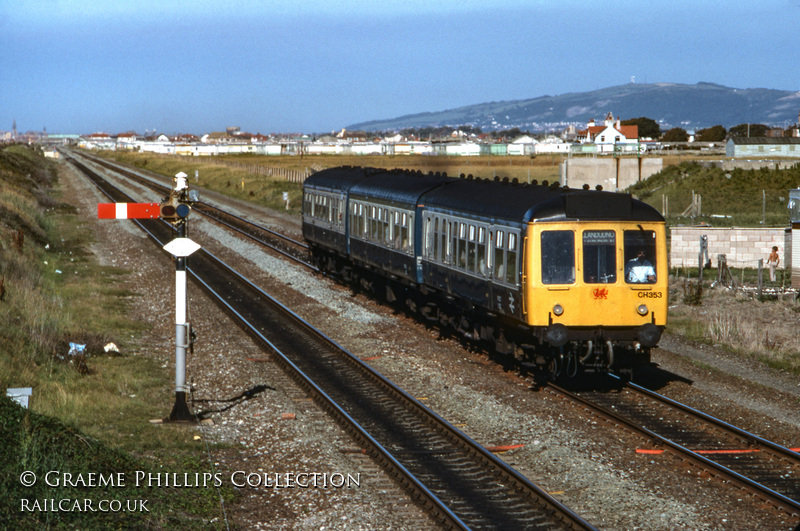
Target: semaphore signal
(128, 210)
(174, 209)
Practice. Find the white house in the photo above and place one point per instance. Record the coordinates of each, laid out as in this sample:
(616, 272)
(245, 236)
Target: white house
(466, 149)
(611, 136)
(524, 145)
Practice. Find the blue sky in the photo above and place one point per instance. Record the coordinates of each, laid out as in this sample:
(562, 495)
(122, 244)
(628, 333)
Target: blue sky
(316, 66)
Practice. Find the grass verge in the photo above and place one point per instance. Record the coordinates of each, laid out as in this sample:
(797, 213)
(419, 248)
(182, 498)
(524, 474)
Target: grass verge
(88, 418)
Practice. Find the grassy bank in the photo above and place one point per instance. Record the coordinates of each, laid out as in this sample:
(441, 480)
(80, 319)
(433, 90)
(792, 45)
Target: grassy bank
(87, 415)
(742, 198)
(763, 330)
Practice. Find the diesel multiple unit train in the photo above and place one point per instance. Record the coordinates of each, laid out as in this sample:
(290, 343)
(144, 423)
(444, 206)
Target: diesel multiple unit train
(568, 279)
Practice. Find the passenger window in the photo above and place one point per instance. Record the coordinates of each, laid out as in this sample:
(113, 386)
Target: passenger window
(396, 232)
(428, 237)
(511, 259)
(640, 256)
(482, 266)
(558, 257)
(599, 257)
(362, 220)
(448, 243)
(405, 243)
(471, 249)
(387, 227)
(436, 232)
(461, 249)
(408, 232)
(499, 256)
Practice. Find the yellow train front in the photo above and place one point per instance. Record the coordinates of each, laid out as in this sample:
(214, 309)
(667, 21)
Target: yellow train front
(596, 290)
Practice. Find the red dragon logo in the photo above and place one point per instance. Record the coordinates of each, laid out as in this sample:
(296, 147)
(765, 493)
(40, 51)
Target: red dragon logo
(600, 293)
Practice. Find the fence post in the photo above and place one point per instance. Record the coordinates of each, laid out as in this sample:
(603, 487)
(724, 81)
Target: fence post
(760, 276)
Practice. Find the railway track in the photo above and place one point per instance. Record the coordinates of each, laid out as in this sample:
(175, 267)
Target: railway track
(462, 484)
(284, 245)
(752, 463)
(759, 466)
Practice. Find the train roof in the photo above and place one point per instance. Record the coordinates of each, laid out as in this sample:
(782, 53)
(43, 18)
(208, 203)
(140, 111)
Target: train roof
(399, 187)
(341, 178)
(496, 200)
(522, 203)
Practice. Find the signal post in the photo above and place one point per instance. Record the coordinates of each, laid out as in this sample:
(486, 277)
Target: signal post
(175, 209)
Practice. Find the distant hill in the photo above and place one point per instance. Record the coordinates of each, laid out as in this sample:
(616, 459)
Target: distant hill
(670, 104)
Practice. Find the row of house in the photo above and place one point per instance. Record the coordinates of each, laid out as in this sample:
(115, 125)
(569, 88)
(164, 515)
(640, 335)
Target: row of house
(611, 137)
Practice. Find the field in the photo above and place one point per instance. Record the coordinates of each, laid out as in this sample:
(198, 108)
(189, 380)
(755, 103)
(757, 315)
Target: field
(735, 198)
(223, 174)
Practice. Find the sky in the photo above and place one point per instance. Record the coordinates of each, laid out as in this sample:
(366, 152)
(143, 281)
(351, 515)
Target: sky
(313, 66)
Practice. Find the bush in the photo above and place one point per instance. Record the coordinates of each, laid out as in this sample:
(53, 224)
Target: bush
(692, 293)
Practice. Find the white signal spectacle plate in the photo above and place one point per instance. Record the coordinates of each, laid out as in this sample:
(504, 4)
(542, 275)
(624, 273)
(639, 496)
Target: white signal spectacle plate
(181, 247)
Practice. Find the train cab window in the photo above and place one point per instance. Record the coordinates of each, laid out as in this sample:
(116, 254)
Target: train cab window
(599, 257)
(640, 256)
(558, 257)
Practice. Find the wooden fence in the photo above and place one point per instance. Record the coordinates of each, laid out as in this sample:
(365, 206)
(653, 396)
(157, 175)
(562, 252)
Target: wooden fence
(293, 176)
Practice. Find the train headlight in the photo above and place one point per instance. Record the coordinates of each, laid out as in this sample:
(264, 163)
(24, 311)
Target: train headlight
(642, 309)
(558, 309)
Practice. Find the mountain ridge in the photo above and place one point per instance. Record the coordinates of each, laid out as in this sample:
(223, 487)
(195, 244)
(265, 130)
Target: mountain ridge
(697, 106)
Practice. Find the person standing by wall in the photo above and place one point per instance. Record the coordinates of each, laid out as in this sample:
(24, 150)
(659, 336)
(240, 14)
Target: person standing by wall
(772, 261)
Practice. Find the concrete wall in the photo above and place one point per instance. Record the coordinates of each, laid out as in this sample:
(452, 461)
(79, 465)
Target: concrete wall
(743, 246)
(793, 259)
(575, 172)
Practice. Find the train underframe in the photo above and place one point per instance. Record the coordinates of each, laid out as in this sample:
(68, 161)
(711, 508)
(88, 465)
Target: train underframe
(572, 352)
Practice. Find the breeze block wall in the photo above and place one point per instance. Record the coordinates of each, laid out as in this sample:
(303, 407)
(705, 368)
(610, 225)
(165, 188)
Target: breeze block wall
(577, 171)
(744, 247)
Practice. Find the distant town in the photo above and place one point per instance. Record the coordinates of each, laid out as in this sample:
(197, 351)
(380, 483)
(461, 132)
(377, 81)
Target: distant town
(604, 137)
